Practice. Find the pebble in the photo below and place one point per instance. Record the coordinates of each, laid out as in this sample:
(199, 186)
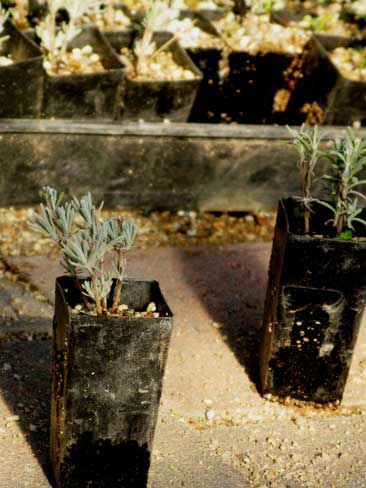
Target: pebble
(161, 67)
(12, 418)
(216, 325)
(210, 414)
(5, 61)
(256, 34)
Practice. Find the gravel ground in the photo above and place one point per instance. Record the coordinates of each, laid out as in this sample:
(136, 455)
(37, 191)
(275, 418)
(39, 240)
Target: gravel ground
(214, 428)
(158, 229)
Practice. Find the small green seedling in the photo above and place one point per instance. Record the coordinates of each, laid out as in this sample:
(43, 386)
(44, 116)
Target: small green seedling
(307, 143)
(347, 159)
(156, 19)
(84, 239)
(55, 41)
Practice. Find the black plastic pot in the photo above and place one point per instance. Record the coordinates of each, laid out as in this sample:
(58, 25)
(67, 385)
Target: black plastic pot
(85, 96)
(21, 83)
(315, 298)
(207, 105)
(107, 382)
(121, 38)
(154, 101)
(329, 41)
(250, 93)
(314, 90)
(348, 102)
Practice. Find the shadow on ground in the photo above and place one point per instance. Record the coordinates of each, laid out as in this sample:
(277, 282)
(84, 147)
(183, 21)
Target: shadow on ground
(25, 384)
(230, 281)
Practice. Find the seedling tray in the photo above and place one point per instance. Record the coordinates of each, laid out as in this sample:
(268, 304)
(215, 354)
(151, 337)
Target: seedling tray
(151, 166)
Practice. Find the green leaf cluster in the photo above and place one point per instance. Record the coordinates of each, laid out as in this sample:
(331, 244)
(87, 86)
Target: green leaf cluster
(84, 246)
(347, 159)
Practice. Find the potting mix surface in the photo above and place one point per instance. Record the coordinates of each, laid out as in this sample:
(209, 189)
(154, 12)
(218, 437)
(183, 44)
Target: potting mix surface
(214, 428)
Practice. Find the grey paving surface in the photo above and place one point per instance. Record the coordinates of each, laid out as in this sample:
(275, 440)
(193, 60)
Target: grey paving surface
(214, 429)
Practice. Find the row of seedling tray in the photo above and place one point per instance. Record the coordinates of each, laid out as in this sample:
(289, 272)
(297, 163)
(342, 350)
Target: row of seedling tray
(224, 65)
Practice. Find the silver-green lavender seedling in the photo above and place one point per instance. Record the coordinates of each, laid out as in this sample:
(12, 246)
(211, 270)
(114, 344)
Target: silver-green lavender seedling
(55, 41)
(86, 243)
(307, 143)
(156, 18)
(347, 159)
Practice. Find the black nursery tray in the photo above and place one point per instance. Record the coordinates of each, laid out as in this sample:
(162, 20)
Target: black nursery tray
(150, 166)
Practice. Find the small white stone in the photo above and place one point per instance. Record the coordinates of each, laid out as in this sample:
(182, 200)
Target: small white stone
(76, 54)
(216, 325)
(210, 414)
(47, 65)
(87, 49)
(94, 58)
(12, 418)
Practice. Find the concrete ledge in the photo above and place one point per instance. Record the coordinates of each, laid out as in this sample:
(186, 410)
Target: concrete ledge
(149, 166)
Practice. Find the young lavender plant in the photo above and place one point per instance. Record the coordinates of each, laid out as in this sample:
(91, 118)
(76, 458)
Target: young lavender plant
(347, 158)
(84, 246)
(156, 18)
(55, 41)
(307, 143)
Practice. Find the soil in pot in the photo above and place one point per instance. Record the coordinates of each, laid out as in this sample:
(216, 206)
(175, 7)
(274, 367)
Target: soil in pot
(91, 93)
(203, 45)
(21, 75)
(164, 86)
(107, 382)
(209, 7)
(326, 22)
(348, 103)
(257, 48)
(315, 299)
(109, 18)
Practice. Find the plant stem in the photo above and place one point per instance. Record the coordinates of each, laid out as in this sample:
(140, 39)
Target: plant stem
(116, 295)
(98, 304)
(104, 299)
(104, 305)
(145, 43)
(339, 224)
(163, 46)
(306, 179)
(118, 288)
